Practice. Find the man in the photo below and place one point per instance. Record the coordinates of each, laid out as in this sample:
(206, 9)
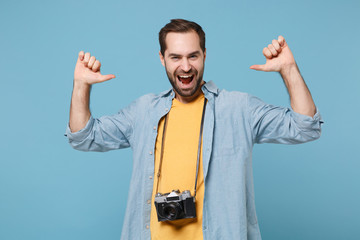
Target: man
(193, 136)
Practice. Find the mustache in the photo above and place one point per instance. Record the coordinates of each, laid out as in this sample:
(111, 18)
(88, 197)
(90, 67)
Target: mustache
(191, 71)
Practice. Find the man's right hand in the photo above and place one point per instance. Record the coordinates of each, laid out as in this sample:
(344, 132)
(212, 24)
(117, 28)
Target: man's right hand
(87, 70)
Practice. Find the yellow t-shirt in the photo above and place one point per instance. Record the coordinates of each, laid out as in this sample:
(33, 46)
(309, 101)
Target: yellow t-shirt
(178, 168)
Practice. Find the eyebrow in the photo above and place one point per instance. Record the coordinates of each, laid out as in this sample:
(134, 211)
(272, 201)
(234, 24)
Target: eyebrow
(178, 55)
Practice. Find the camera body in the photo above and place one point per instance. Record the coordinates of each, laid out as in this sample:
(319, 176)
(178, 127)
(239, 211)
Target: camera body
(173, 205)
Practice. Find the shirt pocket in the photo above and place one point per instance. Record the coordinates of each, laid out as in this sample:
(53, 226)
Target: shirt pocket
(226, 138)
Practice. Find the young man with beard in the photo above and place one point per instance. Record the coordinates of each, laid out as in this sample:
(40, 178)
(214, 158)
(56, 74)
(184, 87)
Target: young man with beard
(192, 137)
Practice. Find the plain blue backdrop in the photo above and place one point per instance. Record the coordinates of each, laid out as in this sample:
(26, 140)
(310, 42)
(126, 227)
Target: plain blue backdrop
(50, 191)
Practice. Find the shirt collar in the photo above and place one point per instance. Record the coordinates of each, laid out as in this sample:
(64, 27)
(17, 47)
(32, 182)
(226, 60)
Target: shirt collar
(211, 87)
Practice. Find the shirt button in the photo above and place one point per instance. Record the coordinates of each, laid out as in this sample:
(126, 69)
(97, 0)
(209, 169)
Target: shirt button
(154, 127)
(150, 177)
(171, 94)
(166, 109)
(147, 226)
(148, 201)
(150, 152)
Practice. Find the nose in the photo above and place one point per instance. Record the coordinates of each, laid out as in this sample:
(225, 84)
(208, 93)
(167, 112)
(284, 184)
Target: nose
(185, 65)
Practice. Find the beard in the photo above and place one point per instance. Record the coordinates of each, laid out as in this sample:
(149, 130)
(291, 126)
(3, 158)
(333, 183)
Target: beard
(188, 92)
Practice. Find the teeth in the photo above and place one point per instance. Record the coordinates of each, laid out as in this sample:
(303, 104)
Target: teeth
(185, 76)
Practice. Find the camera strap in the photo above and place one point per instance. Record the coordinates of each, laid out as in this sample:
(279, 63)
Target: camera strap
(199, 148)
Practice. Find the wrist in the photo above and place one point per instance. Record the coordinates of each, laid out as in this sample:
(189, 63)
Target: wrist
(81, 85)
(289, 69)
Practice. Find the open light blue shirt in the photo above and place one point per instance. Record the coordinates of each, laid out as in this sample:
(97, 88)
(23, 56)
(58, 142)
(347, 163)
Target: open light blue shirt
(234, 122)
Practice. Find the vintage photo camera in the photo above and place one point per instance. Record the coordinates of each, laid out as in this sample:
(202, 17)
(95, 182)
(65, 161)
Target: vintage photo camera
(173, 205)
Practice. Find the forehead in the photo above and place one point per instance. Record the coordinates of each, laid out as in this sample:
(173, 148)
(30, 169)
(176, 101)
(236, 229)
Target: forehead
(182, 43)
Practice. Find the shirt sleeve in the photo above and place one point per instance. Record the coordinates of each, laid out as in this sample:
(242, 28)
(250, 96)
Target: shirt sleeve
(104, 133)
(273, 124)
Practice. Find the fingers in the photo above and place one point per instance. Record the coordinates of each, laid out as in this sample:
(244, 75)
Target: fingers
(281, 40)
(273, 49)
(86, 58)
(89, 61)
(96, 66)
(81, 55)
(276, 45)
(87, 70)
(267, 53)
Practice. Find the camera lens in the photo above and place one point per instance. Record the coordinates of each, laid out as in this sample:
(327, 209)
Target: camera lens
(172, 210)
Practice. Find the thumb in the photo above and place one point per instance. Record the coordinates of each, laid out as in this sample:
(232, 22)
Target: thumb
(104, 78)
(258, 67)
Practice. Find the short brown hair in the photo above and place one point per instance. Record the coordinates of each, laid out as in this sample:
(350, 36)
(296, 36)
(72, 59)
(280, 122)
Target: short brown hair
(180, 26)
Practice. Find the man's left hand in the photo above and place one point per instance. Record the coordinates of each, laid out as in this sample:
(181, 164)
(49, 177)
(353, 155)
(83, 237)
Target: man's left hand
(278, 56)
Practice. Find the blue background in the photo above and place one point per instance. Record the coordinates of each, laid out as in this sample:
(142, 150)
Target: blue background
(50, 191)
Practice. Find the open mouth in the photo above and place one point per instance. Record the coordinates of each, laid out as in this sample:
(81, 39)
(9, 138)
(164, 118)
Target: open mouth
(185, 79)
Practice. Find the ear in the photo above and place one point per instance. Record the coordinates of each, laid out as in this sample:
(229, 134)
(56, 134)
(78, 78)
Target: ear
(162, 59)
(204, 54)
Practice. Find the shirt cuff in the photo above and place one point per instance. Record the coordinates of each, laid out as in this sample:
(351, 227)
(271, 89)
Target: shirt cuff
(308, 122)
(82, 133)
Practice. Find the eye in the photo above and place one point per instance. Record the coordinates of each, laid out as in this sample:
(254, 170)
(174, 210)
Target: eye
(174, 58)
(193, 56)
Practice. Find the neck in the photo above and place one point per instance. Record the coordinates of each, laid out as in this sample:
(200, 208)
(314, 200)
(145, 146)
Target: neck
(191, 98)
